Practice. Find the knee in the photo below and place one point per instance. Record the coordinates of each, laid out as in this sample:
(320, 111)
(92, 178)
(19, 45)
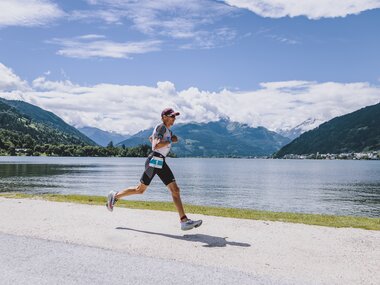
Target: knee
(140, 189)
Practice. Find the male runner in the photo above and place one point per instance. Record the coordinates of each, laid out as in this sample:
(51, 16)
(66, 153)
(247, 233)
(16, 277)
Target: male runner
(162, 139)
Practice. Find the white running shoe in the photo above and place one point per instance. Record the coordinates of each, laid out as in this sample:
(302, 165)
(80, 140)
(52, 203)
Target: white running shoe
(111, 200)
(190, 224)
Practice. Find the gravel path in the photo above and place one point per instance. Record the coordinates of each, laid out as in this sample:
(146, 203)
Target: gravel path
(62, 243)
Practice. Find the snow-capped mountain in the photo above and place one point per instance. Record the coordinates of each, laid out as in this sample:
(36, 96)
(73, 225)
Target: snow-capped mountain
(307, 125)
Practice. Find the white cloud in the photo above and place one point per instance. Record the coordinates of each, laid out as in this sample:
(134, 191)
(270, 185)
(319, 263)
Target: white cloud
(88, 46)
(175, 19)
(28, 12)
(129, 109)
(284, 40)
(10, 81)
(207, 40)
(109, 16)
(312, 9)
(43, 85)
(151, 15)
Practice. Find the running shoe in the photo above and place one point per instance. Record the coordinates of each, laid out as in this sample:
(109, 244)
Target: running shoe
(111, 200)
(189, 224)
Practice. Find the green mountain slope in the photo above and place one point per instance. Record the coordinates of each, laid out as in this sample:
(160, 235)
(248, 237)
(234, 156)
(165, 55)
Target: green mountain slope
(355, 132)
(221, 138)
(38, 115)
(23, 125)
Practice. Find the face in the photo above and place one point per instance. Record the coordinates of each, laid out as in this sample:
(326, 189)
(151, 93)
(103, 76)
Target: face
(169, 120)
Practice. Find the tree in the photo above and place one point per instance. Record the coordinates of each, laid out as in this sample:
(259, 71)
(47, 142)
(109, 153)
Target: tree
(12, 151)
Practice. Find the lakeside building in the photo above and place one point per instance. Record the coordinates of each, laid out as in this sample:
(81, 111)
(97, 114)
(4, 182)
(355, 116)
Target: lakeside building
(373, 155)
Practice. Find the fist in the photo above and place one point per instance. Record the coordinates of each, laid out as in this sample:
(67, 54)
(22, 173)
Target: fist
(174, 139)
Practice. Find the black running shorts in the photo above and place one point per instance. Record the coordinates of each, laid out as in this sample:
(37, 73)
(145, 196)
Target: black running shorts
(165, 173)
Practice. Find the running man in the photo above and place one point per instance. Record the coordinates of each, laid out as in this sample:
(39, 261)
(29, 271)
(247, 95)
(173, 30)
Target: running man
(161, 139)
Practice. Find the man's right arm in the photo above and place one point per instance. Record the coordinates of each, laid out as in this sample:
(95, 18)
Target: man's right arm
(160, 144)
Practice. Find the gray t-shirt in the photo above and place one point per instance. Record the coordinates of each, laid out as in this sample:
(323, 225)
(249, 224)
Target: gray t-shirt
(162, 133)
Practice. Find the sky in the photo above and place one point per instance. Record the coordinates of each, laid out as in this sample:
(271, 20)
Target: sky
(115, 64)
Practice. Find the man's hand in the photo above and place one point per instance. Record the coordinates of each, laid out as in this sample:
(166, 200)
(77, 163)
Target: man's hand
(174, 139)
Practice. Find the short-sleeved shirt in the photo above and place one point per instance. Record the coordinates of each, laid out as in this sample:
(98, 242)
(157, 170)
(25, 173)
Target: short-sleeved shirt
(164, 134)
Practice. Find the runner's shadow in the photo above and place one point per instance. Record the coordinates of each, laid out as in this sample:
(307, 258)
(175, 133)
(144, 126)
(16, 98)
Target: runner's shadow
(209, 241)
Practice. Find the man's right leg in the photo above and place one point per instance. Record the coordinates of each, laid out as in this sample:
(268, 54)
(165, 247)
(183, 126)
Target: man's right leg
(114, 196)
(139, 189)
(145, 180)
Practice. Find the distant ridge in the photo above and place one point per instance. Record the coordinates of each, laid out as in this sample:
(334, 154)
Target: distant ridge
(101, 137)
(358, 131)
(222, 138)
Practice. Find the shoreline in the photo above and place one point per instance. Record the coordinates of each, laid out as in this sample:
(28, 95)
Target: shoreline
(361, 156)
(333, 221)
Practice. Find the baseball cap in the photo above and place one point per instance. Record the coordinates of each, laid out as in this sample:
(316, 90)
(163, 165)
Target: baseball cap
(169, 112)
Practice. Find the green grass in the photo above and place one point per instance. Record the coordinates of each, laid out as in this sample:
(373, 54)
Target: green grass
(309, 219)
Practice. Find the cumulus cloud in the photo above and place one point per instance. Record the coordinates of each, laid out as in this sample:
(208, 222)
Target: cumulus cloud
(28, 12)
(128, 109)
(312, 9)
(88, 46)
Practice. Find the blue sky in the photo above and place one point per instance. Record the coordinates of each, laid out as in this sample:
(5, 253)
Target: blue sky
(269, 62)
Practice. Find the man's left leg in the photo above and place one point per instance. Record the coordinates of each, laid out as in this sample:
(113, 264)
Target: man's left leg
(186, 224)
(167, 177)
(174, 189)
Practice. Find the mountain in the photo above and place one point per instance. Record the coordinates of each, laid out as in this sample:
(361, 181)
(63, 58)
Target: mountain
(355, 132)
(298, 130)
(219, 139)
(23, 124)
(101, 137)
(141, 137)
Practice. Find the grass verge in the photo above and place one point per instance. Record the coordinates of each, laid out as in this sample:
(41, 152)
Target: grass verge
(308, 219)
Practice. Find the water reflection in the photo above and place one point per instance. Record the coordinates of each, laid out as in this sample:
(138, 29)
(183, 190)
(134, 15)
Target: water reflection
(22, 170)
(37, 178)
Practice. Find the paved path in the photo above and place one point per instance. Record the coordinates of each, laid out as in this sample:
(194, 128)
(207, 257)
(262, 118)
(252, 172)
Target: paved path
(38, 261)
(64, 243)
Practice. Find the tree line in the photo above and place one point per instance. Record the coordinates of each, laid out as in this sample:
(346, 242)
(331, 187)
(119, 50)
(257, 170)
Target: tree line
(75, 150)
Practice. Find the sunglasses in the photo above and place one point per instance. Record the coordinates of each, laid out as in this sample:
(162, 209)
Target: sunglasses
(171, 116)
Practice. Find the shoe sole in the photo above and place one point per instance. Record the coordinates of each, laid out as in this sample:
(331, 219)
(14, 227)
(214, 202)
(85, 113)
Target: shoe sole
(108, 204)
(108, 208)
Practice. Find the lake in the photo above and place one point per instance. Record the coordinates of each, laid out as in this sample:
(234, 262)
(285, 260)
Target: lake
(339, 187)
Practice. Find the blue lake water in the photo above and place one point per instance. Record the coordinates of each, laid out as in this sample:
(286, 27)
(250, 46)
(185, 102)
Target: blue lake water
(338, 187)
